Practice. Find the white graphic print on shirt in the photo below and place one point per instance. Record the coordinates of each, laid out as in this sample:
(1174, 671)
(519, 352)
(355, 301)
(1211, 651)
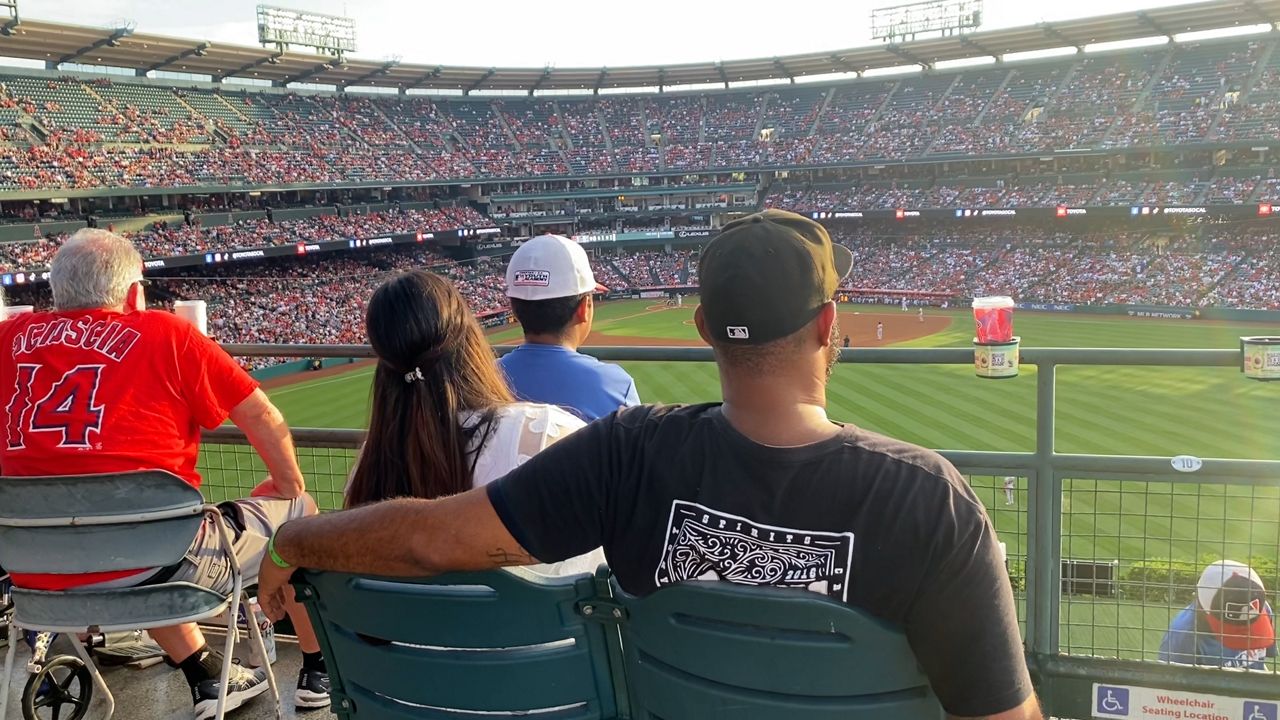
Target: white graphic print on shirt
(705, 544)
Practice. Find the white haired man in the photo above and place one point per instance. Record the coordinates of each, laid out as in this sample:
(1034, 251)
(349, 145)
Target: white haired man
(100, 384)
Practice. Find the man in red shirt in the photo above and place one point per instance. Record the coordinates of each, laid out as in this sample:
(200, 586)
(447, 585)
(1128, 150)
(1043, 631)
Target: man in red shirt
(99, 384)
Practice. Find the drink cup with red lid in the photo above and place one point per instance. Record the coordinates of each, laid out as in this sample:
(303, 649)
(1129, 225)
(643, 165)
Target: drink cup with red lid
(993, 318)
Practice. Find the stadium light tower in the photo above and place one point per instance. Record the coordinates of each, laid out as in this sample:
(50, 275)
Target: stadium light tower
(283, 27)
(899, 23)
(13, 21)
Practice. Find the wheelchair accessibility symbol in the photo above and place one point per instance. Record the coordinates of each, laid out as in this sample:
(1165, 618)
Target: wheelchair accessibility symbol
(1113, 701)
(1260, 710)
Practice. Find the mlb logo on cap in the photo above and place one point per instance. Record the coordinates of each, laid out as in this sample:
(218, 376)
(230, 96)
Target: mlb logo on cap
(737, 332)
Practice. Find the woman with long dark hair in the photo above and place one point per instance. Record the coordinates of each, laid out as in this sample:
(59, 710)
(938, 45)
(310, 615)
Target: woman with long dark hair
(442, 420)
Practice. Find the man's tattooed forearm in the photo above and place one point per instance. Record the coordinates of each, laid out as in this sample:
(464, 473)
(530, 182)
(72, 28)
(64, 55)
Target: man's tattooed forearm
(503, 557)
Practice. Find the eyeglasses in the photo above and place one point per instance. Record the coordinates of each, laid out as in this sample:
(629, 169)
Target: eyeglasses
(141, 281)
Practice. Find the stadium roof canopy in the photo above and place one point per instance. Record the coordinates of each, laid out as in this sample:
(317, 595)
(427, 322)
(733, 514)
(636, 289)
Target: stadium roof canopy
(56, 43)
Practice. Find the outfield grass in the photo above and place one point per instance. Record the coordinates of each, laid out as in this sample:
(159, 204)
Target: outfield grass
(1209, 412)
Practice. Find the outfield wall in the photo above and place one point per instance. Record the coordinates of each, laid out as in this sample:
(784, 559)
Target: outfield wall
(297, 366)
(1159, 311)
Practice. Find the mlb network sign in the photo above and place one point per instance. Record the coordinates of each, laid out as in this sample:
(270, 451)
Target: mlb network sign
(1140, 703)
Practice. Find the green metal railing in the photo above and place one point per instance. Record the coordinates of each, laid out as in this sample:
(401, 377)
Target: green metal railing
(1109, 633)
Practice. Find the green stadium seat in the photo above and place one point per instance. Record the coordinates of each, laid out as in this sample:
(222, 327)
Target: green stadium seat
(583, 649)
(718, 651)
(459, 645)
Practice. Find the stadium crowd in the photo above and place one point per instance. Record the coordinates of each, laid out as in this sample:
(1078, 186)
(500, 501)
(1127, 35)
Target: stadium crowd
(108, 133)
(1221, 268)
(320, 298)
(165, 239)
(1015, 193)
(315, 299)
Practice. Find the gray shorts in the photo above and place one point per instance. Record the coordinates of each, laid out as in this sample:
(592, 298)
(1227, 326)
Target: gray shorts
(249, 523)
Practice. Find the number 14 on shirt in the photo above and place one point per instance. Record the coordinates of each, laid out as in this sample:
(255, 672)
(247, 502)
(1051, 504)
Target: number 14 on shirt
(68, 405)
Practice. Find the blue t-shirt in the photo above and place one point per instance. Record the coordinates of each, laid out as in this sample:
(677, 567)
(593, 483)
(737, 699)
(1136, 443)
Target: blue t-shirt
(1183, 644)
(556, 375)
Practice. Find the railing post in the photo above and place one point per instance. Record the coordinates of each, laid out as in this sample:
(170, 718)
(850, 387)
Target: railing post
(1044, 524)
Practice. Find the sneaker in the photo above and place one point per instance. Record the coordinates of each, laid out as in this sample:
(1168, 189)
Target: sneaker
(313, 690)
(243, 685)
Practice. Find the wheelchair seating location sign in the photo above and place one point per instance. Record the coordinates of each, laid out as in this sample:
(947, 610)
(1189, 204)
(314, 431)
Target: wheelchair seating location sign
(1141, 703)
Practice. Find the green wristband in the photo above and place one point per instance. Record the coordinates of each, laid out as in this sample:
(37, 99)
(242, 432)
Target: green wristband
(275, 556)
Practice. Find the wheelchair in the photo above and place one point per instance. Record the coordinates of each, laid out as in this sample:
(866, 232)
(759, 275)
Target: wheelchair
(59, 687)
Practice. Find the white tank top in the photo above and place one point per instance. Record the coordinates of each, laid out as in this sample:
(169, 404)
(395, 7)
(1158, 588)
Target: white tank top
(520, 431)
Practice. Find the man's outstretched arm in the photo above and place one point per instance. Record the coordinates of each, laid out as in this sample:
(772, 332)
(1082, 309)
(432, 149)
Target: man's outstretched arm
(269, 434)
(404, 538)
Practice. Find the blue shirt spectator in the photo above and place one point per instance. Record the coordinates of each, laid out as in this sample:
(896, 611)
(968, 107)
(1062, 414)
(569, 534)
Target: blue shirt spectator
(1183, 643)
(557, 375)
(551, 287)
(1230, 624)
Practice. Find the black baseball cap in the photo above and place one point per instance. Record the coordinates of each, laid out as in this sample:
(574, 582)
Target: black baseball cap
(766, 275)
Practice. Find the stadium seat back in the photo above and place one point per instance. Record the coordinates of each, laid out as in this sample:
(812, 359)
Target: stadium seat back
(718, 651)
(461, 644)
(96, 523)
(103, 523)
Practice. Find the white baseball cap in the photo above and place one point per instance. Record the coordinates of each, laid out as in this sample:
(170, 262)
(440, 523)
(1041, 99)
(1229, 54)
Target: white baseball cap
(550, 266)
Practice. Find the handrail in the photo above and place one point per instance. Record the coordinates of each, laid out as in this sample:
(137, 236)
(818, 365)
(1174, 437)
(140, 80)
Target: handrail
(1166, 357)
(302, 436)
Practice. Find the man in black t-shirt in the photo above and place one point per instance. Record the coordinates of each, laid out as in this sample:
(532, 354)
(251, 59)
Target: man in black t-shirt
(761, 489)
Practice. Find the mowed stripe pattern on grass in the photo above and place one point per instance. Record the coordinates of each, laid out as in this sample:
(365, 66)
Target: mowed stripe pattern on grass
(1208, 412)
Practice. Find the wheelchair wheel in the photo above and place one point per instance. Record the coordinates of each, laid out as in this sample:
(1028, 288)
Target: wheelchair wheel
(60, 690)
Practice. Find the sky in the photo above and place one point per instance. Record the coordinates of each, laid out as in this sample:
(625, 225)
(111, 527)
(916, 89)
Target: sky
(561, 33)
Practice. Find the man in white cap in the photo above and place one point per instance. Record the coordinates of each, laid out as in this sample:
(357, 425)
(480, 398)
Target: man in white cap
(1229, 623)
(550, 284)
